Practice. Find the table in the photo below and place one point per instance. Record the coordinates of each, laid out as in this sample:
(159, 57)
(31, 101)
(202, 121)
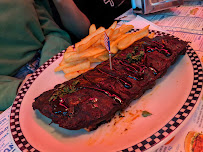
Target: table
(158, 22)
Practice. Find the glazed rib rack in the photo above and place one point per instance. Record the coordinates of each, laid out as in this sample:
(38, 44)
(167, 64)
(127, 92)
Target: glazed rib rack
(94, 97)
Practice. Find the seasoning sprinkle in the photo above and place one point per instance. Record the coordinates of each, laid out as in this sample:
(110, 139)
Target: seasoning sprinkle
(63, 90)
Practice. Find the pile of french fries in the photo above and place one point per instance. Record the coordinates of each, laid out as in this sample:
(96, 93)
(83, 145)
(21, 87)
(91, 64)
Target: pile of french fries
(78, 58)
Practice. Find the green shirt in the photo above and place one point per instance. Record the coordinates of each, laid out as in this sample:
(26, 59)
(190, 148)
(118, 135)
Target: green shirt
(25, 27)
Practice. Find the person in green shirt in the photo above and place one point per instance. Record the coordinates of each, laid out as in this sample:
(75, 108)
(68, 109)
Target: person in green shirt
(27, 28)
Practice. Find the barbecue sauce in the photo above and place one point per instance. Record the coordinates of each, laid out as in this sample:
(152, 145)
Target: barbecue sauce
(58, 106)
(153, 70)
(123, 81)
(57, 102)
(139, 59)
(115, 97)
(137, 69)
(160, 48)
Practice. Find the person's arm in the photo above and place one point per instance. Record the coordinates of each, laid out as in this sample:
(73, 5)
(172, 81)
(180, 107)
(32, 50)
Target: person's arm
(35, 29)
(56, 39)
(72, 18)
(8, 90)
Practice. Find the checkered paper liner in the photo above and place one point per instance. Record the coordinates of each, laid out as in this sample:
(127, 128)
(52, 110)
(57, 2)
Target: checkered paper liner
(146, 144)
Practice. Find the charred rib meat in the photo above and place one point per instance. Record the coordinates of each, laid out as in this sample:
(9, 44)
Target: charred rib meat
(95, 96)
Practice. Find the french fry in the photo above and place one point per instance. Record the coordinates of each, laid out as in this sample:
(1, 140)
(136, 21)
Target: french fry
(87, 38)
(100, 54)
(109, 33)
(113, 45)
(132, 37)
(92, 59)
(120, 31)
(70, 49)
(103, 56)
(151, 36)
(113, 26)
(92, 29)
(71, 56)
(125, 28)
(75, 56)
(62, 62)
(72, 75)
(114, 34)
(81, 66)
(66, 65)
(69, 76)
(94, 39)
(92, 51)
(97, 43)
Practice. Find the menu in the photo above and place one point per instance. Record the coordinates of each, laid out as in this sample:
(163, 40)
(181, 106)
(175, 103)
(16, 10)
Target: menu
(6, 143)
(185, 22)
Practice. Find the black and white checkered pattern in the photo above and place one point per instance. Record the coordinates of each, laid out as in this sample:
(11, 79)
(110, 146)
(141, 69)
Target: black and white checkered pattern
(146, 144)
(16, 131)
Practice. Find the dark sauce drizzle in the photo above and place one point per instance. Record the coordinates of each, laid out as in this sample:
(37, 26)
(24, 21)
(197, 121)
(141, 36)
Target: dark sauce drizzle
(115, 97)
(160, 50)
(139, 69)
(57, 101)
(60, 108)
(153, 70)
(125, 83)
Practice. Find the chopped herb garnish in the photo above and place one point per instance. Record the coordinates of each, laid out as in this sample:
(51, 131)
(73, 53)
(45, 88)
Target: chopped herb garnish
(63, 90)
(135, 49)
(142, 53)
(129, 56)
(75, 83)
(146, 113)
(135, 58)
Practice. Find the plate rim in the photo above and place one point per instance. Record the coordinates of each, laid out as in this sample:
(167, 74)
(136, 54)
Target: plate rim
(144, 145)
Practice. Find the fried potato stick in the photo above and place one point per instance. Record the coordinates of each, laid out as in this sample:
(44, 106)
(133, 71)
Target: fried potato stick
(113, 26)
(72, 75)
(151, 36)
(92, 51)
(94, 39)
(132, 37)
(113, 44)
(92, 29)
(87, 38)
(81, 66)
(103, 56)
(120, 31)
(93, 60)
(69, 64)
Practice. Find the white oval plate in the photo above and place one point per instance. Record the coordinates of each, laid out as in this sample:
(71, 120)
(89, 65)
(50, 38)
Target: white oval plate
(172, 102)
